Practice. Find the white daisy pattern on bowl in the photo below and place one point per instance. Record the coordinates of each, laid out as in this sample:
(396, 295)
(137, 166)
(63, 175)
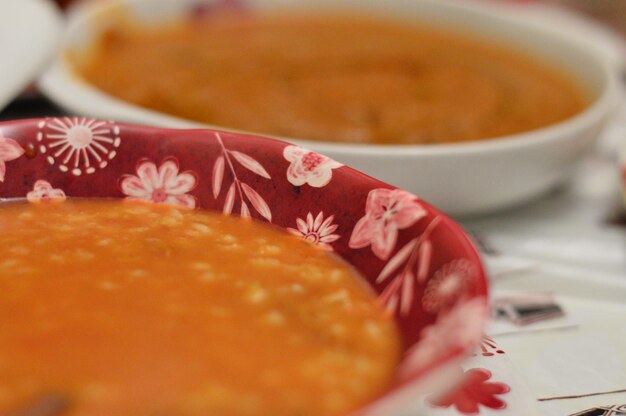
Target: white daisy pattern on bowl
(162, 185)
(318, 231)
(459, 328)
(386, 212)
(307, 167)
(78, 145)
(43, 191)
(448, 285)
(9, 150)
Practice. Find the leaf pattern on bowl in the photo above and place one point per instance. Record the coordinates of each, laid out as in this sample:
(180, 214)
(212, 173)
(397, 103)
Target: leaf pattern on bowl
(238, 187)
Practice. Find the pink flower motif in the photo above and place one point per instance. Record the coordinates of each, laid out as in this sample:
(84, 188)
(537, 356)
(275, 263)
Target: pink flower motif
(473, 391)
(317, 231)
(448, 285)
(309, 167)
(386, 212)
(462, 327)
(43, 191)
(9, 150)
(162, 185)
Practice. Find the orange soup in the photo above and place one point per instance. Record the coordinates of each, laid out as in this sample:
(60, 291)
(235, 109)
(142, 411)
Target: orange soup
(134, 309)
(331, 78)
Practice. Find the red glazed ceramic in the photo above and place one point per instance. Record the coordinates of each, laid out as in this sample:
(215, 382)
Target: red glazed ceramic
(419, 262)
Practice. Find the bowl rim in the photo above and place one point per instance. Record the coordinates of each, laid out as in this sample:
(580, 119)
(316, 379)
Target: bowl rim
(60, 82)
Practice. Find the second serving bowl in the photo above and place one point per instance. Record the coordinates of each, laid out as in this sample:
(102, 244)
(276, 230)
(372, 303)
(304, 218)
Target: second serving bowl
(467, 178)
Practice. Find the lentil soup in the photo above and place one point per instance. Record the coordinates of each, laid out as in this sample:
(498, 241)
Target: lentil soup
(330, 77)
(126, 308)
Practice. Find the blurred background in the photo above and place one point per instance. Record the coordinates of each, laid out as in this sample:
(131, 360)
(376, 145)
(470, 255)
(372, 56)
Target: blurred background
(611, 14)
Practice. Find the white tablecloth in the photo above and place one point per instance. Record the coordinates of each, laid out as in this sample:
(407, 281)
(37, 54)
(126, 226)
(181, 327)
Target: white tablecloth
(564, 244)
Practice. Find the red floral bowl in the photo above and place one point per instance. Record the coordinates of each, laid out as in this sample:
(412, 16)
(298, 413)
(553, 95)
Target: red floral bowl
(420, 263)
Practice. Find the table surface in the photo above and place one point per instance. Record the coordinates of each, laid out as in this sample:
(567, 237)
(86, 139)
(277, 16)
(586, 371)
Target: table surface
(571, 243)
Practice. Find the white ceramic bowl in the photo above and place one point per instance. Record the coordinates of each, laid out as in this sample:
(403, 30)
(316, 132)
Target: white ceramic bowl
(465, 178)
(37, 24)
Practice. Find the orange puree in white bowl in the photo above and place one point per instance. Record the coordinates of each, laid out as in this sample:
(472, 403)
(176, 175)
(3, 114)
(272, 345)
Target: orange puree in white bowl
(330, 77)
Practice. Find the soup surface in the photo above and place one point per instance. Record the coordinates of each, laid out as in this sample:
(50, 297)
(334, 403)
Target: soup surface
(330, 77)
(134, 309)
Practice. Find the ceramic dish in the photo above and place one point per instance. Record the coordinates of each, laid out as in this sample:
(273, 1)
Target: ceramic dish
(23, 61)
(459, 178)
(425, 253)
